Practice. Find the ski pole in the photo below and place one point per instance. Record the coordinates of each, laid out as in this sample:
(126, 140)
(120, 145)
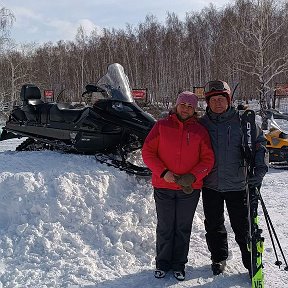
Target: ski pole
(232, 96)
(278, 262)
(272, 227)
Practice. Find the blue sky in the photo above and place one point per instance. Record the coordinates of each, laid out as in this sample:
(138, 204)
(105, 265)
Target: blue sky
(42, 21)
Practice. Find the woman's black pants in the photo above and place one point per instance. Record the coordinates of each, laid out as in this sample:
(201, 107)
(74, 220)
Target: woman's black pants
(175, 212)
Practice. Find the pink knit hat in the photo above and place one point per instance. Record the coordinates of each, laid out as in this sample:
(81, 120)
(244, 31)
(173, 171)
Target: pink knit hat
(187, 97)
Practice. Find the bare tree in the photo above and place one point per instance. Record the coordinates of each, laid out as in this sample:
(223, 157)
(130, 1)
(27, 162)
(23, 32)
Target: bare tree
(259, 27)
(19, 68)
(6, 21)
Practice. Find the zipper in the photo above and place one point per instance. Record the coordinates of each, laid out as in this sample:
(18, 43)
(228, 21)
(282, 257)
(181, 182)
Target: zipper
(229, 135)
(188, 138)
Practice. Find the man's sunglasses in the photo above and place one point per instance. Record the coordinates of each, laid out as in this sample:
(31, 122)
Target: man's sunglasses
(216, 86)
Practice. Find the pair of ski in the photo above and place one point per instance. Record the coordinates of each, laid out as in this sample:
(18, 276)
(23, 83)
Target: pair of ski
(255, 239)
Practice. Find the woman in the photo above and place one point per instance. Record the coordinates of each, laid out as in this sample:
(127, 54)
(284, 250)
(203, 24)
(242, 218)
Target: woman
(178, 152)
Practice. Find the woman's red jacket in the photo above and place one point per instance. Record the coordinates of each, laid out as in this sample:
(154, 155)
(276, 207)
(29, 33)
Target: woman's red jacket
(180, 147)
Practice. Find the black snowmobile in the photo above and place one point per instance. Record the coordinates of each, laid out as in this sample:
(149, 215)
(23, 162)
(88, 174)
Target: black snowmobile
(110, 129)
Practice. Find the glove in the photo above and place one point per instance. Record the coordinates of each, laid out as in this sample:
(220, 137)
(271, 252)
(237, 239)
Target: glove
(256, 180)
(185, 181)
(187, 189)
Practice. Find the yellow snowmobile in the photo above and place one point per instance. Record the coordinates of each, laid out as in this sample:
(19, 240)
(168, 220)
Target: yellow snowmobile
(277, 145)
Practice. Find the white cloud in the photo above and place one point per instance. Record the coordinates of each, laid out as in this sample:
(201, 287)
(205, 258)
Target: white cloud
(43, 21)
(87, 25)
(23, 15)
(67, 30)
(61, 28)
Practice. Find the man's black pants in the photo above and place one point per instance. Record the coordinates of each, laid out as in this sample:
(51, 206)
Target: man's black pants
(175, 212)
(216, 234)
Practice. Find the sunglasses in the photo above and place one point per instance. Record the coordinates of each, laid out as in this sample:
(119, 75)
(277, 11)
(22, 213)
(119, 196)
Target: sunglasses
(216, 86)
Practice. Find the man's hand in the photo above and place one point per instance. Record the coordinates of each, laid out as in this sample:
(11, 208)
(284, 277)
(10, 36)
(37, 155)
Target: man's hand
(257, 178)
(255, 181)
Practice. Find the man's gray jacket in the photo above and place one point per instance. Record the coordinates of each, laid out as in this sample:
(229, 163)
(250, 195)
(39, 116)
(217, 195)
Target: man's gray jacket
(230, 171)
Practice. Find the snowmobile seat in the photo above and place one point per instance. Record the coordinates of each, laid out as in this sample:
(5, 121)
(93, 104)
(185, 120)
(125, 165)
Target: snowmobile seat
(29, 112)
(35, 102)
(31, 97)
(30, 94)
(43, 112)
(62, 106)
(18, 114)
(65, 115)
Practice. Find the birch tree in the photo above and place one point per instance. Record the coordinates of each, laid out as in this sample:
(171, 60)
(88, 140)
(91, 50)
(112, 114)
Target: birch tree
(260, 28)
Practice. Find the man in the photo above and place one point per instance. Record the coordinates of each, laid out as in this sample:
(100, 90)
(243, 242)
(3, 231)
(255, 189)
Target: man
(227, 182)
(178, 151)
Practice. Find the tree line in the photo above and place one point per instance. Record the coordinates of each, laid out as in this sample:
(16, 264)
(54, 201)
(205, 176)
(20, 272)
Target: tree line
(245, 42)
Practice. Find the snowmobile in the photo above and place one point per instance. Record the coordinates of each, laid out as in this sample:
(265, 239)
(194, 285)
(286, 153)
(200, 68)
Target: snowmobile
(110, 128)
(277, 145)
(277, 140)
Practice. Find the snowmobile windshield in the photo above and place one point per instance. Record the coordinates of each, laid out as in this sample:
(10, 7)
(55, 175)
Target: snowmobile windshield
(278, 120)
(279, 123)
(116, 84)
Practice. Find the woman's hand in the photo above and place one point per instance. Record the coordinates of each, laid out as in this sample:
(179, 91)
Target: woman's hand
(169, 177)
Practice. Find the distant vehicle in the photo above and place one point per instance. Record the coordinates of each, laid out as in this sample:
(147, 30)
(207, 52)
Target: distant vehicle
(277, 140)
(277, 145)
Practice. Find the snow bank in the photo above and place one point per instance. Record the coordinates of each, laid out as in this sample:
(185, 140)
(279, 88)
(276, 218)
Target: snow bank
(66, 217)
(68, 221)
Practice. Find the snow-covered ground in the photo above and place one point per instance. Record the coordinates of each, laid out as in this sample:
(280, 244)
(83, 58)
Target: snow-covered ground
(68, 221)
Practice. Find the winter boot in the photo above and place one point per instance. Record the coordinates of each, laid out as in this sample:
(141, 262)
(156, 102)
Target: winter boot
(158, 273)
(179, 275)
(218, 267)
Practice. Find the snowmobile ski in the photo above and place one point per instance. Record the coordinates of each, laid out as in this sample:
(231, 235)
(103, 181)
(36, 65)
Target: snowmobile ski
(34, 144)
(122, 165)
(279, 165)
